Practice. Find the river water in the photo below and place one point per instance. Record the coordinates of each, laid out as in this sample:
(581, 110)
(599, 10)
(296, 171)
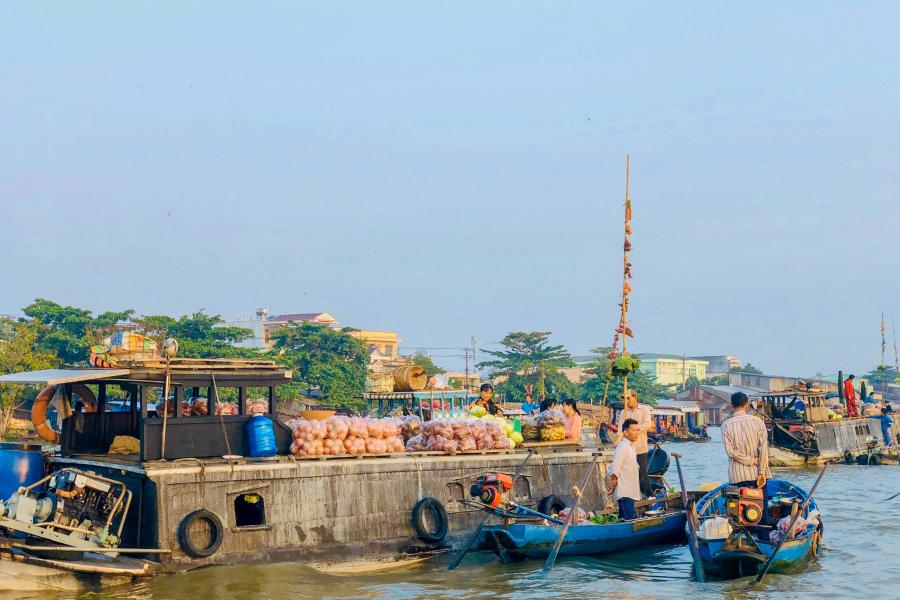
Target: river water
(859, 557)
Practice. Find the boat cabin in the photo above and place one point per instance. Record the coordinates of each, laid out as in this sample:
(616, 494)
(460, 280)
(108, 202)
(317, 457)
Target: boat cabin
(101, 404)
(796, 406)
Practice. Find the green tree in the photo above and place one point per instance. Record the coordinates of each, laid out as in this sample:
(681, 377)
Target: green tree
(886, 373)
(690, 382)
(640, 381)
(20, 351)
(529, 354)
(556, 385)
(716, 380)
(748, 368)
(423, 360)
(323, 358)
(199, 335)
(68, 332)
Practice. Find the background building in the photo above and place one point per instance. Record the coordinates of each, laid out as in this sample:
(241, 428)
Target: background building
(720, 364)
(672, 369)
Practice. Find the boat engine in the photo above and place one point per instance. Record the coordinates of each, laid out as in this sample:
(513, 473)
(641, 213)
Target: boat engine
(69, 507)
(744, 505)
(491, 488)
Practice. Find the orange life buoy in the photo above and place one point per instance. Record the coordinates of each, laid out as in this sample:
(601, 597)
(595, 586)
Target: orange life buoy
(39, 409)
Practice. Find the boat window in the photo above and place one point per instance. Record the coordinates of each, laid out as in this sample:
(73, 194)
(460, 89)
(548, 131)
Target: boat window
(249, 510)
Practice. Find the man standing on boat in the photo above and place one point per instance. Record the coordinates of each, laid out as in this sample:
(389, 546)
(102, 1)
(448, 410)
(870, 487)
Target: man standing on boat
(640, 413)
(624, 480)
(850, 397)
(746, 444)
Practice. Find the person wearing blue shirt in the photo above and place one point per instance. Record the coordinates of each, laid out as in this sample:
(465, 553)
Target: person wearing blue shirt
(886, 422)
(529, 406)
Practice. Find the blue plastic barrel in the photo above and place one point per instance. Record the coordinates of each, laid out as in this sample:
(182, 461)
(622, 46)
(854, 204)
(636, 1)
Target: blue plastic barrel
(20, 464)
(261, 436)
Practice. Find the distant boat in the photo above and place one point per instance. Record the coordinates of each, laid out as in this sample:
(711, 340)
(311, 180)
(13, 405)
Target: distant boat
(729, 549)
(808, 436)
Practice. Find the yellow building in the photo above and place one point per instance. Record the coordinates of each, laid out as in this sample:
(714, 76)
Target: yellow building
(671, 369)
(384, 343)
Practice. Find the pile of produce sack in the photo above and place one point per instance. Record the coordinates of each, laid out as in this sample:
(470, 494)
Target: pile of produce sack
(260, 406)
(465, 435)
(339, 435)
(551, 426)
(531, 429)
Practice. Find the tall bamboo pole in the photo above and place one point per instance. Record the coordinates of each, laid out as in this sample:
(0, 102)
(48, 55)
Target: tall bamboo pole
(623, 317)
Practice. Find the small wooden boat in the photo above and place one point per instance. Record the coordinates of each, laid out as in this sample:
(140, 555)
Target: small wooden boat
(535, 540)
(730, 547)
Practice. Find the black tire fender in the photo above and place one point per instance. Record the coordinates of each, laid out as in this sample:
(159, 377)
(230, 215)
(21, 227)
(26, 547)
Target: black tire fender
(550, 505)
(438, 513)
(188, 546)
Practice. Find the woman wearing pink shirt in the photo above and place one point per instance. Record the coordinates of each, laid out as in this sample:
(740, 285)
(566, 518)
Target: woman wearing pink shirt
(573, 420)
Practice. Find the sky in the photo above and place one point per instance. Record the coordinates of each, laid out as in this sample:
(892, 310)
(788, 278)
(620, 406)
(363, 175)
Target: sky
(457, 169)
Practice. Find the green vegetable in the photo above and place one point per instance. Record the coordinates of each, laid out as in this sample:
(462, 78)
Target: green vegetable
(625, 364)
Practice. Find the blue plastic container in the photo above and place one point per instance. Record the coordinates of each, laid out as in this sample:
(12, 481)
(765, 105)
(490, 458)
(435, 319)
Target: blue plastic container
(261, 436)
(20, 464)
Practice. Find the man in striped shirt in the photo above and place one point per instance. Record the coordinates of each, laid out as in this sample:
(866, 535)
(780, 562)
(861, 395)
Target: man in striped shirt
(746, 444)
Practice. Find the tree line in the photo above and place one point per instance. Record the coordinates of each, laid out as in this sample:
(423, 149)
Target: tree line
(52, 335)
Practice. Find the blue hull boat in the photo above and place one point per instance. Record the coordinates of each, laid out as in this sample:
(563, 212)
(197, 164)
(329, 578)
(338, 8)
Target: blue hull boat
(745, 549)
(523, 540)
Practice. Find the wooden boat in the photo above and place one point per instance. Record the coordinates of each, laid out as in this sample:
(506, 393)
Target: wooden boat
(744, 549)
(535, 539)
(210, 503)
(800, 437)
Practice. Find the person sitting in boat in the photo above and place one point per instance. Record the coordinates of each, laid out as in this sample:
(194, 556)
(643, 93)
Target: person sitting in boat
(640, 413)
(573, 420)
(485, 400)
(625, 472)
(529, 406)
(548, 404)
(746, 443)
(850, 397)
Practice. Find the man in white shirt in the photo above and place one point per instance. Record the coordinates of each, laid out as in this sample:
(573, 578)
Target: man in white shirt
(640, 413)
(625, 480)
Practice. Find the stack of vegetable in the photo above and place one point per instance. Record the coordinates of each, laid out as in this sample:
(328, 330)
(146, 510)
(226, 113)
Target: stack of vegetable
(260, 406)
(531, 429)
(339, 435)
(551, 426)
(465, 435)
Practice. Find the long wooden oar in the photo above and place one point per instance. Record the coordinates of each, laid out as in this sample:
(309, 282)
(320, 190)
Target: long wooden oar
(790, 529)
(565, 528)
(477, 533)
(692, 530)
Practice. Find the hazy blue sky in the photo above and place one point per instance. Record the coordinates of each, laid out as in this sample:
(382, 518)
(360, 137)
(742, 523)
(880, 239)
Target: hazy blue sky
(457, 168)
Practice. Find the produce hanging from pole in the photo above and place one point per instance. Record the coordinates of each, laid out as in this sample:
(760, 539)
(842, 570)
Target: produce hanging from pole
(620, 363)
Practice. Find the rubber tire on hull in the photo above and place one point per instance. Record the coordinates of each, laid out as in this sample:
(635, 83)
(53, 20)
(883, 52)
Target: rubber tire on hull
(188, 545)
(550, 505)
(438, 514)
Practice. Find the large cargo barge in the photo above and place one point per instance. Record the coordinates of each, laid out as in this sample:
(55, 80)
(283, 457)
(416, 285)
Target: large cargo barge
(198, 499)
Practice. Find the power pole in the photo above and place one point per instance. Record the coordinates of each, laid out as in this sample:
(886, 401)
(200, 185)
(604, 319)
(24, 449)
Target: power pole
(466, 381)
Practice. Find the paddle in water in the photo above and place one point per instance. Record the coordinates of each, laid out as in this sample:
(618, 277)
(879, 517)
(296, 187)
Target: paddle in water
(790, 529)
(562, 534)
(692, 530)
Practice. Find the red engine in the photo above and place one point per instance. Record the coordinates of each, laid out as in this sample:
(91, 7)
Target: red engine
(491, 488)
(745, 505)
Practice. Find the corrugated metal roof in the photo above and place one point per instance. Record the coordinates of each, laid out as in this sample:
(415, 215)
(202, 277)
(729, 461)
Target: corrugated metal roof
(60, 376)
